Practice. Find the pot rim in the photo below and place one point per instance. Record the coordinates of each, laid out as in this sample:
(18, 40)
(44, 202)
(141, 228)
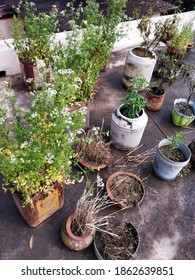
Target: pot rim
(112, 176)
(129, 119)
(141, 57)
(68, 229)
(184, 100)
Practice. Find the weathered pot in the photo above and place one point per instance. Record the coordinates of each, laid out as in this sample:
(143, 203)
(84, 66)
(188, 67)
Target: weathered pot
(138, 66)
(73, 242)
(98, 246)
(88, 165)
(110, 193)
(154, 101)
(167, 169)
(126, 133)
(43, 206)
(32, 76)
(180, 119)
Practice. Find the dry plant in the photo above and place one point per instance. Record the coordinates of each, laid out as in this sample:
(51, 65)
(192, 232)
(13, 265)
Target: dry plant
(87, 214)
(121, 244)
(93, 148)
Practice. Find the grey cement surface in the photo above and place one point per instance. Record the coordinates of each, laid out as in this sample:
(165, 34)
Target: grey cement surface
(165, 220)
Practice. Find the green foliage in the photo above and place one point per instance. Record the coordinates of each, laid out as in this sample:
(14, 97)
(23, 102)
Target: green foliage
(176, 140)
(33, 32)
(36, 144)
(90, 41)
(188, 77)
(134, 102)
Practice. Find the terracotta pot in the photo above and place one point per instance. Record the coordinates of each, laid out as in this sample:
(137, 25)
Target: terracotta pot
(110, 193)
(72, 241)
(154, 101)
(43, 207)
(88, 164)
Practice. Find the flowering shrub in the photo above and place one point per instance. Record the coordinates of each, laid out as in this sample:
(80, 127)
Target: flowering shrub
(32, 31)
(90, 41)
(36, 144)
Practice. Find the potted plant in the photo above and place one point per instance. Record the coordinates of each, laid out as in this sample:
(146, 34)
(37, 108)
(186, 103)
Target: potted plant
(129, 120)
(32, 33)
(37, 151)
(181, 39)
(172, 155)
(90, 41)
(141, 60)
(167, 69)
(183, 112)
(77, 231)
(116, 241)
(125, 189)
(92, 151)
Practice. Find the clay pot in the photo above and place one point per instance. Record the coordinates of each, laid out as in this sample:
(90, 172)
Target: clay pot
(154, 101)
(123, 203)
(76, 243)
(43, 206)
(86, 164)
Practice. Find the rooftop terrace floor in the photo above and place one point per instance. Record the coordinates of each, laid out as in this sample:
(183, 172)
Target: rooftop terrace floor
(165, 221)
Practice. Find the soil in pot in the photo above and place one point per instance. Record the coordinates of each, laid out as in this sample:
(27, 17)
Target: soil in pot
(175, 155)
(184, 109)
(126, 190)
(142, 52)
(121, 244)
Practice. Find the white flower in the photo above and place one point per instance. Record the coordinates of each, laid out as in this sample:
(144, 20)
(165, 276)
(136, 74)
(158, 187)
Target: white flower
(68, 71)
(22, 160)
(51, 92)
(12, 159)
(69, 120)
(34, 115)
(83, 110)
(49, 158)
(24, 144)
(2, 120)
(65, 111)
(78, 80)
(80, 131)
(99, 181)
(29, 80)
(96, 130)
(40, 64)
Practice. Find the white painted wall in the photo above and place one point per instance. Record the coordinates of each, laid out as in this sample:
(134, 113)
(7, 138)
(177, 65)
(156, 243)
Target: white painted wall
(9, 60)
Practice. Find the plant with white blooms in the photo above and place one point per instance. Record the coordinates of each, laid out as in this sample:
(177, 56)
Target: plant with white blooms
(37, 144)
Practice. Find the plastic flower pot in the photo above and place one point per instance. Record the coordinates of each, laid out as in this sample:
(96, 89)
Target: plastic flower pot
(165, 168)
(180, 119)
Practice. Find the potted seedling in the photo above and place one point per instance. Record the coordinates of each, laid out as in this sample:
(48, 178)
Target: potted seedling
(184, 108)
(166, 70)
(172, 155)
(129, 120)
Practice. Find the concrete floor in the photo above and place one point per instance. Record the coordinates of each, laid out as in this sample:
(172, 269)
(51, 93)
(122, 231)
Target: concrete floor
(165, 220)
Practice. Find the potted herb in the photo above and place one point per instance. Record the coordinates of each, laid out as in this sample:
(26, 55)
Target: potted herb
(92, 151)
(129, 120)
(181, 39)
(37, 151)
(166, 70)
(90, 41)
(141, 60)
(172, 155)
(77, 231)
(32, 34)
(184, 108)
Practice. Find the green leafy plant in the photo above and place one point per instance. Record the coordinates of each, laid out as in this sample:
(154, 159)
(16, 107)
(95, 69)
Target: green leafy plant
(188, 78)
(33, 32)
(36, 144)
(176, 139)
(134, 102)
(90, 41)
